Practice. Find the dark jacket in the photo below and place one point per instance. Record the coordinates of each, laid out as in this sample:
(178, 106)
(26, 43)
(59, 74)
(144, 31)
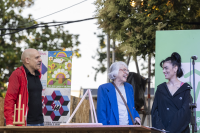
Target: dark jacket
(172, 113)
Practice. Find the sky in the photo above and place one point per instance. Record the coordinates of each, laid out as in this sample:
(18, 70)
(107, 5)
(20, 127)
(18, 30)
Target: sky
(82, 71)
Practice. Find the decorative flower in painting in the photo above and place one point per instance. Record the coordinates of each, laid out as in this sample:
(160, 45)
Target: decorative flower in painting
(53, 66)
(50, 58)
(68, 65)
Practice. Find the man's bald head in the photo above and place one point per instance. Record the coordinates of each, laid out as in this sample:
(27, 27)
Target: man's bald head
(31, 59)
(27, 54)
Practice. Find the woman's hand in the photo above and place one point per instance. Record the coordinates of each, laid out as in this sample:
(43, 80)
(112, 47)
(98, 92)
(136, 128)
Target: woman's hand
(138, 120)
(163, 130)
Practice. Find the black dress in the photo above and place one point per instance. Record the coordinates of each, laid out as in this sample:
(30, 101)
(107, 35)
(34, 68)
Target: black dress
(172, 113)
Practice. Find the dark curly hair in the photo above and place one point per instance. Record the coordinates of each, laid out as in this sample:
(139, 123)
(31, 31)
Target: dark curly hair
(176, 61)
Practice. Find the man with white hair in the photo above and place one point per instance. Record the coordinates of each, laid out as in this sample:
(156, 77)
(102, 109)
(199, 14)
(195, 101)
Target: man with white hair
(25, 80)
(115, 101)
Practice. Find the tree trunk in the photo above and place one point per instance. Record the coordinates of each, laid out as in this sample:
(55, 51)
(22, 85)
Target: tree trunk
(108, 56)
(136, 64)
(128, 60)
(149, 95)
(113, 52)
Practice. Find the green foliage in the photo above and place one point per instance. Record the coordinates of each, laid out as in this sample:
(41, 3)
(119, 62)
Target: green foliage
(101, 56)
(133, 23)
(46, 38)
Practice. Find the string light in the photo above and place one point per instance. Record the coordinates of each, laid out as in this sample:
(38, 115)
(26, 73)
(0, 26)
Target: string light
(132, 3)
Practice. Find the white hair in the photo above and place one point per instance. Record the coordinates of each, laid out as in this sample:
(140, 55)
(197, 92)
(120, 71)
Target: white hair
(114, 69)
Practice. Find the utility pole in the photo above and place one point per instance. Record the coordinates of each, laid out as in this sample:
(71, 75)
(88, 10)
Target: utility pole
(108, 56)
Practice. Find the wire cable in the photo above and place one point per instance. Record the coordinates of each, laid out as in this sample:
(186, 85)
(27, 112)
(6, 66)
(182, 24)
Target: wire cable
(43, 25)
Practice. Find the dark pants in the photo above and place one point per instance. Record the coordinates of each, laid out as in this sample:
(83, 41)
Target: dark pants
(42, 124)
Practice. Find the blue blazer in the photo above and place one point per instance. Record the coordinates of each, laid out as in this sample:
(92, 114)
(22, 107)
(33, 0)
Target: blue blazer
(107, 106)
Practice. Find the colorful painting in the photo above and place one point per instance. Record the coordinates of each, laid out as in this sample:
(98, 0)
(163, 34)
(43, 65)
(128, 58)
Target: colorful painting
(56, 71)
(59, 69)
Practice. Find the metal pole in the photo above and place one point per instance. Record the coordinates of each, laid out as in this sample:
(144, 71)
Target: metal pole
(149, 96)
(194, 126)
(108, 55)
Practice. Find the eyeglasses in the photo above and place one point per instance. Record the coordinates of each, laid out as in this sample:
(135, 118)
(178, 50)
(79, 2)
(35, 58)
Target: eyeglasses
(125, 70)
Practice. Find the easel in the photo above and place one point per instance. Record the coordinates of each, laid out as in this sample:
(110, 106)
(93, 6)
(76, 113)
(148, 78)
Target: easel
(19, 110)
(92, 110)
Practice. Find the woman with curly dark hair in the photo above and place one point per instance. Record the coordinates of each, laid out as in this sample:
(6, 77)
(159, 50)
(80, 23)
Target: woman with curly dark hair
(171, 111)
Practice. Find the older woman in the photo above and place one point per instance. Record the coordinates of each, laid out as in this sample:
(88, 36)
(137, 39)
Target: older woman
(111, 109)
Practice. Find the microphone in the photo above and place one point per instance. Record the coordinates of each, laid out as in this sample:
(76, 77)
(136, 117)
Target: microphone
(194, 57)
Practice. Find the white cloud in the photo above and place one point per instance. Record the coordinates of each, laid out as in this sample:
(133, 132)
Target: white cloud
(58, 60)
